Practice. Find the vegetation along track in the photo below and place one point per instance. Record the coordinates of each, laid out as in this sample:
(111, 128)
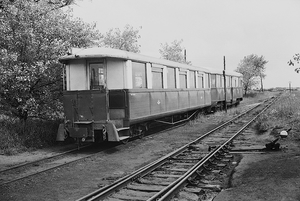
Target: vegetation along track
(165, 177)
(26, 170)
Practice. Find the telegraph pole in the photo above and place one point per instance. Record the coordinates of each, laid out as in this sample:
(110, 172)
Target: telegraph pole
(224, 75)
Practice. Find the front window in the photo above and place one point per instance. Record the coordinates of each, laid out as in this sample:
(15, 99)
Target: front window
(76, 78)
(97, 76)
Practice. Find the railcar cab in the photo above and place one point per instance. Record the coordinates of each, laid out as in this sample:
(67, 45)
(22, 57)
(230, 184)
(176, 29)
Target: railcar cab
(86, 96)
(110, 95)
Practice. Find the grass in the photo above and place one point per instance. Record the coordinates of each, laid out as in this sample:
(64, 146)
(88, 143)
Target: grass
(251, 98)
(255, 97)
(17, 136)
(283, 115)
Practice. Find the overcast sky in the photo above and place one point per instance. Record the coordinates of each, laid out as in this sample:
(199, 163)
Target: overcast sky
(210, 29)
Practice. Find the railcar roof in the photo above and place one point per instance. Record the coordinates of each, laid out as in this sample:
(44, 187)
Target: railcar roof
(92, 53)
(232, 73)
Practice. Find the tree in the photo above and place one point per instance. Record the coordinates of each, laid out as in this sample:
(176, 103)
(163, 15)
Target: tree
(252, 67)
(123, 40)
(56, 4)
(296, 59)
(33, 34)
(173, 52)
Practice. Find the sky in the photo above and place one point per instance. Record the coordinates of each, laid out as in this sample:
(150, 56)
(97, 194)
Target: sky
(210, 30)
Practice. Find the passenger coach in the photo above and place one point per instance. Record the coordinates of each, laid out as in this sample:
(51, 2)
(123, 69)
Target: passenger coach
(112, 95)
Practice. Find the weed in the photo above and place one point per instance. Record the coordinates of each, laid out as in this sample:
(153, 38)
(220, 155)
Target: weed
(284, 114)
(262, 124)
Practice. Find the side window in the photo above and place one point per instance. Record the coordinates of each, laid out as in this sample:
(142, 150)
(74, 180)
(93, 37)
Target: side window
(171, 78)
(183, 79)
(229, 78)
(221, 81)
(97, 76)
(217, 81)
(207, 82)
(213, 81)
(157, 78)
(200, 80)
(192, 80)
(138, 75)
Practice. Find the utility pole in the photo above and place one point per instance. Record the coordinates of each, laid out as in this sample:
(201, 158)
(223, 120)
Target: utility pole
(224, 75)
(185, 55)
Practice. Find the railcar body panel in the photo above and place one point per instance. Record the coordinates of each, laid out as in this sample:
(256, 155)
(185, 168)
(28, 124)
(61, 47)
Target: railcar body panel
(85, 105)
(237, 93)
(229, 94)
(151, 104)
(138, 103)
(171, 100)
(157, 102)
(193, 99)
(183, 99)
(217, 95)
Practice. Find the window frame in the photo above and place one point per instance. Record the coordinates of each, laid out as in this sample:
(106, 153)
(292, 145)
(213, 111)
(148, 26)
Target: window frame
(100, 86)
(143, 76)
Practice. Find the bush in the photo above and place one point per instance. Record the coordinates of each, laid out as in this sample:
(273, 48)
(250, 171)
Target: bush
(262, 124)
(17, 136)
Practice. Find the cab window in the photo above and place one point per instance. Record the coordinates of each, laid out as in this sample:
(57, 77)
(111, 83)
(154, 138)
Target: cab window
(97, 75)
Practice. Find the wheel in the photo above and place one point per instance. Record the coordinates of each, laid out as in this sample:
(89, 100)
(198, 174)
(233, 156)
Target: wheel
(125, 141)
(141, 135)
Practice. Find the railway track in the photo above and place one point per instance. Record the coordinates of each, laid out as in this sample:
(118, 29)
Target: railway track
(29, 169)
(165, 177)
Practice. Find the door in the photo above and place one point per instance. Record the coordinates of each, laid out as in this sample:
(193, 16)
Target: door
(99, 98)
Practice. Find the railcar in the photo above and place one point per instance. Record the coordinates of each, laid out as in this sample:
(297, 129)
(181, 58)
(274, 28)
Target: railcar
(234, 91)
(113, 95)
